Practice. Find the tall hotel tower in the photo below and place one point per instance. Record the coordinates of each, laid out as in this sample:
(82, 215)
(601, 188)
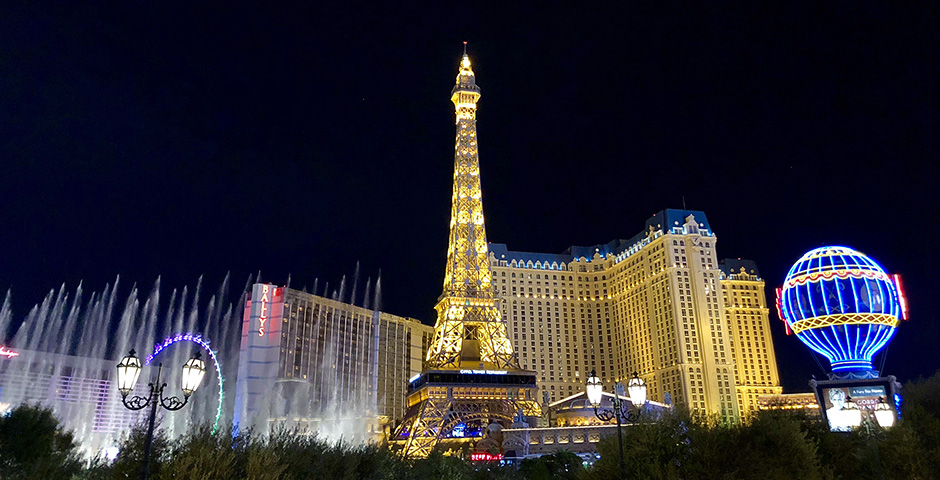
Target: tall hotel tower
(318, 364)
(471, 377)
(660, 304)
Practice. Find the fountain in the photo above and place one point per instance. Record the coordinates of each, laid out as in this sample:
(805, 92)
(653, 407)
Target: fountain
(63, 355)
(69, 344)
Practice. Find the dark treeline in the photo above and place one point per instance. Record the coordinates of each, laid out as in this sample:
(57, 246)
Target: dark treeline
(771, 445)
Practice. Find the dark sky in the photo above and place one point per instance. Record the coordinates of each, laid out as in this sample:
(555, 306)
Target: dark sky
(148, 139)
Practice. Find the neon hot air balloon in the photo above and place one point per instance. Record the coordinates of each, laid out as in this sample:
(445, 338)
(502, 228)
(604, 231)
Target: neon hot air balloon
(842, 304)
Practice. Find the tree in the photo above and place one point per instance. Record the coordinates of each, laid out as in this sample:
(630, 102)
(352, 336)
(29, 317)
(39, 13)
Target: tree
(651, 450)
(560, 465)
(920, 413)
(772, 445)
(202, 455)
(902, 453)
(33, 445)
(262, 463)
(131, 452)
(438, 466)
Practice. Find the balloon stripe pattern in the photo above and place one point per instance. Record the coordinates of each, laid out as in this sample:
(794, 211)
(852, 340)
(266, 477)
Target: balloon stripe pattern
(842, 305)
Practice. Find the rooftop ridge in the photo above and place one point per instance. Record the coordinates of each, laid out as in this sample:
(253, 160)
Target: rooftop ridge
(674, 218)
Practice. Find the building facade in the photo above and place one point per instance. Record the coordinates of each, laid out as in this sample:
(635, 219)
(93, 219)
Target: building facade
(319, 364)
(80, 390)
(749, 322)
(656, 304)
(801, 402)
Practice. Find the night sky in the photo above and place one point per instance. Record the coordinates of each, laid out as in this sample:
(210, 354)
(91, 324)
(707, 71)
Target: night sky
(147, 139)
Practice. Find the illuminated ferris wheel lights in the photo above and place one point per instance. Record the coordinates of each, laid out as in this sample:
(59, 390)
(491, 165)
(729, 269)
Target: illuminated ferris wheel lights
(197, 339)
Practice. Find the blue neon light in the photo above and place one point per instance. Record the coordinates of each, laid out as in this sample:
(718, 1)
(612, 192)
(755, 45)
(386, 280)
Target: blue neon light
(834, 291)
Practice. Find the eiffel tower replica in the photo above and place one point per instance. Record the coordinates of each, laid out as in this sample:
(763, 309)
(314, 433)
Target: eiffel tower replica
(471, 376)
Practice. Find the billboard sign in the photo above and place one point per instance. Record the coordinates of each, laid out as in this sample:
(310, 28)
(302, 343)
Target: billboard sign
(846, 404)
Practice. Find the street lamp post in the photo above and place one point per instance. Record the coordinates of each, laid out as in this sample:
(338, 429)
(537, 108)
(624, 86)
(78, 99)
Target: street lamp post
(637, 390)
(880, 415)
(128, 371)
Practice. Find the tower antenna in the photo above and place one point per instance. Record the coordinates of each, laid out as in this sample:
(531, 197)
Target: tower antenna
(464, 48)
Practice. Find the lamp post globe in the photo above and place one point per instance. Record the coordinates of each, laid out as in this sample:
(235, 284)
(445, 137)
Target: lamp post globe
(595, 389)
(193, 372)
(853, 415)
(883, 414)
(128, 371)
(637, 390)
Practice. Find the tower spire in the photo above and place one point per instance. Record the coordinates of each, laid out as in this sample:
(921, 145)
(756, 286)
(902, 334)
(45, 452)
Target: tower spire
(465, 81)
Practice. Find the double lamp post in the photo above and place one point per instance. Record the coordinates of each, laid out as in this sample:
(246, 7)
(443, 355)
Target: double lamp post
(621, 411)
(128, 372)
(882, 413)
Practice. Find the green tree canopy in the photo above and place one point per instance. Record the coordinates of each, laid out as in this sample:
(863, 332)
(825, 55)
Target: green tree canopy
(33, 445)
(560, 465)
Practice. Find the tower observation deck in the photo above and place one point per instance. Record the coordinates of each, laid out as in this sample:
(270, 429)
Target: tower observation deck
(471, 376)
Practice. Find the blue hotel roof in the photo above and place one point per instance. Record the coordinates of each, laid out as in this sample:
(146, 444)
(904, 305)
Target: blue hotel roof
(662, 220)
(734, 265)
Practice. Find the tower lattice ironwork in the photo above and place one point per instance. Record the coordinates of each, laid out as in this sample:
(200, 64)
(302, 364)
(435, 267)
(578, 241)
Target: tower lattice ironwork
(467, 310)
(471, 376)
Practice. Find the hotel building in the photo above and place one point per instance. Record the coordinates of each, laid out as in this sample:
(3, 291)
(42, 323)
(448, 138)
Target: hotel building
(305, 360)
(80, 391)
(748, 319)
(658, 304)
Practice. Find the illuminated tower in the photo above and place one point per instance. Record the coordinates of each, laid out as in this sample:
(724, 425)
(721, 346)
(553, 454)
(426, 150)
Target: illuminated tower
(471, 376)
(469, 327)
